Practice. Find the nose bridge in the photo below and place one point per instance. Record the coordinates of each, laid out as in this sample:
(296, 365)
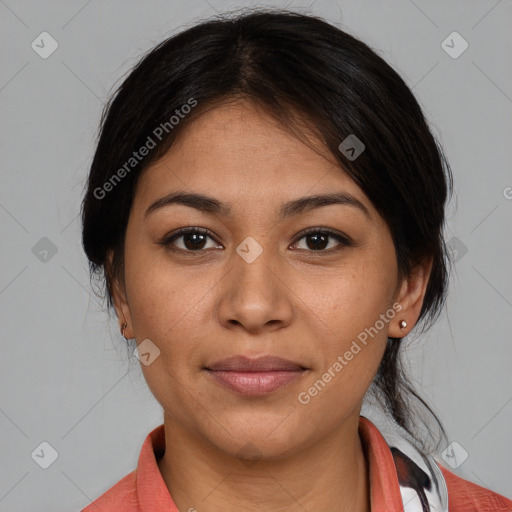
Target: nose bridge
(256, 296)
(254, 267)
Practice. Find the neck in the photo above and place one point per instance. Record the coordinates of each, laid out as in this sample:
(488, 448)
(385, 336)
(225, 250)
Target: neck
(329, 475)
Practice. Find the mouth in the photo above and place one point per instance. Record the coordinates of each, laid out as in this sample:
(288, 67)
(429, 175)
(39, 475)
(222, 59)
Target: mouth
(255, 376)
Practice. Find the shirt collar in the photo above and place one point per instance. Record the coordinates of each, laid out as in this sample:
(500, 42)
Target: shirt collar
(152, 492)
(384, 487)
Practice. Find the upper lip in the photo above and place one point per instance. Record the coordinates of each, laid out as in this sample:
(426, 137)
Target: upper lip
(254, 364)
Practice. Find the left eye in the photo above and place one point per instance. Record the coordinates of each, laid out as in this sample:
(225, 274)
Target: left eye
(318, 240)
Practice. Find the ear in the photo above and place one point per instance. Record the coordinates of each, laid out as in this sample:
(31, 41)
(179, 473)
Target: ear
(119, 298)
(410, 296)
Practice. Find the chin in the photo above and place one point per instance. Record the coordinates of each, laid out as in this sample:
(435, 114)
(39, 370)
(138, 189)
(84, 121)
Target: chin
(259, 438)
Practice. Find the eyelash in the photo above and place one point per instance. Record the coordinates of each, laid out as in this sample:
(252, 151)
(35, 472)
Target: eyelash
(344, 240)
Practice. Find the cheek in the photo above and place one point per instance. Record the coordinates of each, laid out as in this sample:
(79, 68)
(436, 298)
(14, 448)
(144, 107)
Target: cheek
(168, 308)
(164, 298)
(171, 306)
(353, 313)
(347, 360)
(351, 299)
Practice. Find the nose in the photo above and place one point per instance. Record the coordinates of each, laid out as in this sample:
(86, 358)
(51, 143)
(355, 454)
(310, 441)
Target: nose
(255, 295)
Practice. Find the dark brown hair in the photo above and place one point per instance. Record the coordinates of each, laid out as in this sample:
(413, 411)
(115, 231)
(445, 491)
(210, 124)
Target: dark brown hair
(296, 66)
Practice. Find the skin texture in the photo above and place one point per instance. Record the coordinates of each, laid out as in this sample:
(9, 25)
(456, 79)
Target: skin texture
(292, 301)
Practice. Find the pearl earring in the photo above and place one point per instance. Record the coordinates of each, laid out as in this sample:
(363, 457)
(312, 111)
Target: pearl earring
(402, 324)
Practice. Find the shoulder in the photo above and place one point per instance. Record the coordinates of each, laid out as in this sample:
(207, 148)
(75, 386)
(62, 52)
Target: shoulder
(123, 493)
(465, 496)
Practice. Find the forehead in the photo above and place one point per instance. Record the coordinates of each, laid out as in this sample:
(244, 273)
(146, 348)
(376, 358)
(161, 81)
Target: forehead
(240, 153)
(245, 134)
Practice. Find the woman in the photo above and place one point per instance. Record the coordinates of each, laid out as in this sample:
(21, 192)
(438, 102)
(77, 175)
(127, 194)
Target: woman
(266, 202)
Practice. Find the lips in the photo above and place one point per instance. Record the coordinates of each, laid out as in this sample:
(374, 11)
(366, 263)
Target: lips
(255, 376)
(259, 364)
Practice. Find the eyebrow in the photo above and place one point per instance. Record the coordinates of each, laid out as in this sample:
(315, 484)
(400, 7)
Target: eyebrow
(212, 206)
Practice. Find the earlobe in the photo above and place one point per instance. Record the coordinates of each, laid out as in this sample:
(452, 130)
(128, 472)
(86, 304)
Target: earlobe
(119, 299)
(123, 331)
(398, 328)
(410, 297)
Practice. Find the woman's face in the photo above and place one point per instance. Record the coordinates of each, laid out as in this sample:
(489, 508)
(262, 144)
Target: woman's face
(256, 285)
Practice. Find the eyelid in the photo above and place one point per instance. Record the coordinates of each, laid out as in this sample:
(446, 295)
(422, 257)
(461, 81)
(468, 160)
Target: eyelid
(170, 237)
(341, 237)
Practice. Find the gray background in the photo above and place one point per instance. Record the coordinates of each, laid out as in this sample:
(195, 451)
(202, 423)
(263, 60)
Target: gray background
(65, 375)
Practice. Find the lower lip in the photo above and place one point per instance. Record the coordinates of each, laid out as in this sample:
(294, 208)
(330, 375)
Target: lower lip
(255, 383)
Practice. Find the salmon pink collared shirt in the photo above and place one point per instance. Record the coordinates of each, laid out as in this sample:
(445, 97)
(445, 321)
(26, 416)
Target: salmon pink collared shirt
(144, 490)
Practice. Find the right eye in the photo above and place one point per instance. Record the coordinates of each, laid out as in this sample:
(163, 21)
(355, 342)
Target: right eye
(193, 240)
